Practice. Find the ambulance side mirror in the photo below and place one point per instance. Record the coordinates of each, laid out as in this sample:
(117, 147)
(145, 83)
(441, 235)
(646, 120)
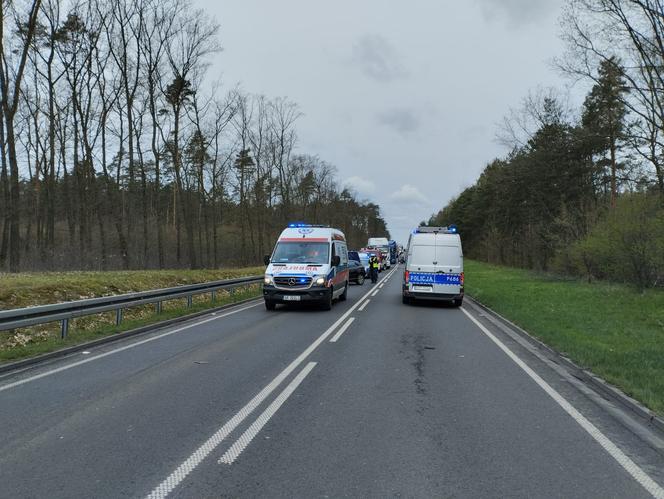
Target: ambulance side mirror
(336, 260)
(266, 259)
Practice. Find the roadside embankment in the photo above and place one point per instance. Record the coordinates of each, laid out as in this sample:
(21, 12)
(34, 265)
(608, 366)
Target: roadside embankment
(31, 289)
(611, 329)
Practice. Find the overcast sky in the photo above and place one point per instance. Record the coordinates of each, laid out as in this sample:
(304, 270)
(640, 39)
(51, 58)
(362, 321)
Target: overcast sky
(402, 97)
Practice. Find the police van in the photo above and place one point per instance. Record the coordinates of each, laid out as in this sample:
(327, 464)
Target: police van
(434, 266)
(309, 263)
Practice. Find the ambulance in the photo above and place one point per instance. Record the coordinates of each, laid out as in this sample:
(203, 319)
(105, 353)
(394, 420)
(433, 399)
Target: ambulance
(309, 263)
(434, 266)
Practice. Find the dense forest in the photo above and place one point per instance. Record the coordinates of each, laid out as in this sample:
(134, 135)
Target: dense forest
(117, 151)
(582, 190)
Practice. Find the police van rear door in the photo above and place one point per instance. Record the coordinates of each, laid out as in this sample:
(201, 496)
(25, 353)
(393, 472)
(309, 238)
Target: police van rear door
(448, 265)
(422, 266)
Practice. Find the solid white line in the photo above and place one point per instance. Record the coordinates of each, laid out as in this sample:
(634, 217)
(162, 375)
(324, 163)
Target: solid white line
(181, 472)
(342, 330)
(612, 449)
(245, 439)
(121, 349)
(364, 305)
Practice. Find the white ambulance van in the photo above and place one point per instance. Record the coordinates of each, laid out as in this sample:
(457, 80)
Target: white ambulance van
(309, 263)
(434, 266)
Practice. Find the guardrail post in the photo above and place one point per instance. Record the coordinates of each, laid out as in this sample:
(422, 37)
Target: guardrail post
(158, 307)
(232, 293)
(118, 317)
(189, 300)
(213, 295)
(64, 328)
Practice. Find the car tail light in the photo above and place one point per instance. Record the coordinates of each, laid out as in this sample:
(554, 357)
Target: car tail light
(406, 277)
(462, 278)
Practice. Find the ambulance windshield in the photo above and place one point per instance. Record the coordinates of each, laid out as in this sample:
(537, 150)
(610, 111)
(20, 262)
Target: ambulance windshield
(302, 252)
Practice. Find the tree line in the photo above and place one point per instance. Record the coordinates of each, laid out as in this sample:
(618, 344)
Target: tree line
(582, 190)
(117, 151)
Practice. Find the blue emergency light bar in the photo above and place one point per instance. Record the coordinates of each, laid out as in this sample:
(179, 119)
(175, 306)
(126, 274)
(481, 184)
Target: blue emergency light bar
(297, 225)
(450, 229)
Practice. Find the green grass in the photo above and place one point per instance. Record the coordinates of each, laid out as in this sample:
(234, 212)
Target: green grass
(24, 290)
(29, 289)
(611, 329)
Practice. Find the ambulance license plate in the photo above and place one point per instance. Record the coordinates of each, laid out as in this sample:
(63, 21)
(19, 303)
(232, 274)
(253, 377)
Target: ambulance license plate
(291, 297)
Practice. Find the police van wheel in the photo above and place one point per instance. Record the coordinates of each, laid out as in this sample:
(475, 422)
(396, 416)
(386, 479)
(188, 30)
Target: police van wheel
(270, 305)
(405, 300)
(344, 295)
(457, 302)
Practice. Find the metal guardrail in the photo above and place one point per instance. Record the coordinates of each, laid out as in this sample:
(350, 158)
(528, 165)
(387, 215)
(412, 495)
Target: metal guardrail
(64, 312)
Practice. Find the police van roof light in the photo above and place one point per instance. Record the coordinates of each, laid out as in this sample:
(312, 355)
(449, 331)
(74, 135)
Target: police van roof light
(451, 229)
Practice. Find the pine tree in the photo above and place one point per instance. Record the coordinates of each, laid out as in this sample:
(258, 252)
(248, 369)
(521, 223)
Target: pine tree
(604, 117)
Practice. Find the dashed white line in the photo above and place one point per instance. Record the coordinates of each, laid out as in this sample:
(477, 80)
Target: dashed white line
(342, 330)
(612, 449)
(375, 292)
(245, 439)
(364, 305)
(181, 472)
(121, 349)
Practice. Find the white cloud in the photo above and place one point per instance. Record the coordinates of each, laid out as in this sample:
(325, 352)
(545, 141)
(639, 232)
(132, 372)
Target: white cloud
(409, 195)
(363, 186)
(402, 121)
(378, 58)
(518, 12)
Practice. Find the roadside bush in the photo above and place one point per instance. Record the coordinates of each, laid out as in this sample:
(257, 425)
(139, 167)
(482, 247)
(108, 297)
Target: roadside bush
(627, 245)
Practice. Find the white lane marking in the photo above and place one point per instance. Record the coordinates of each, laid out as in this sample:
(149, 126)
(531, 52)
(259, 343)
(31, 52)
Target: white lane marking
(181, 472)
(245, 439)
(121, 349)
(342, 330)
(364, 305)
(375, 292)
(612, 449)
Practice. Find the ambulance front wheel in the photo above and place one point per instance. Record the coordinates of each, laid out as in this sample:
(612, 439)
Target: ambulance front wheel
(270, 305)
(344, 295)
(326, 304)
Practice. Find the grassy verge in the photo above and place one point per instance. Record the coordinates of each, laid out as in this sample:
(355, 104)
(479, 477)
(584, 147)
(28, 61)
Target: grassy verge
(35, 289)
(611, 329)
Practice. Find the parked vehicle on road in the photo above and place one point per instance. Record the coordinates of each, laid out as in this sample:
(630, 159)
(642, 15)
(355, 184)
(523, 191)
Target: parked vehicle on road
(309, 263)
(434, 266)
(393, 252)
(364, 260)
(371, 251)
(381, 244)
(356, 272)
(361, 257)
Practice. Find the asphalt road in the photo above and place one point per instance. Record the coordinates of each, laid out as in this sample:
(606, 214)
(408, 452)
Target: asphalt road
(374, 399)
